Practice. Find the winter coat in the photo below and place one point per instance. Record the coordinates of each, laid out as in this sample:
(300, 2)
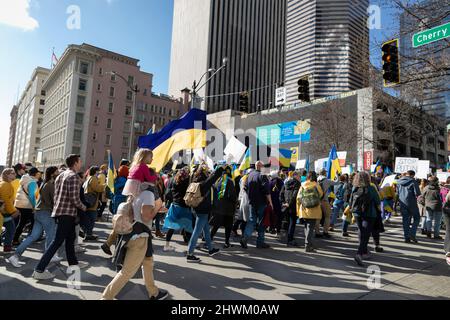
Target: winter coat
(432, 196)
(46, 199)
(275, 186)
(244, 202)
(227, 205)
(408, 191)
(7, 198)
(375, 203)
(289, 193)
(309, 213)
(93, 185)
(205, 206)
(25, 198)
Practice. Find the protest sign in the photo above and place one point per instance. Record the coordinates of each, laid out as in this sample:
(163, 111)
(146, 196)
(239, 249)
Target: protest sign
(443, 176)
(423, 169)
(388, 181)
(403, 165)
(347, 170)
(235, 150)
(199, 155)
(301, 164)
(320, 164)
(342, 156)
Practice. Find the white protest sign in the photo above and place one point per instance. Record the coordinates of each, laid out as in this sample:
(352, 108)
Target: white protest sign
(210, 163)
(199, 155)
(388, 181)
(346, 170)
(301, 164)
(423, 169)
(235, 150)
(443, 176)
(403, 165)
(320, 164)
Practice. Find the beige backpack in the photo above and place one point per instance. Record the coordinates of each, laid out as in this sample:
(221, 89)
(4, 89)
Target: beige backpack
(123, 220)
(193, 196)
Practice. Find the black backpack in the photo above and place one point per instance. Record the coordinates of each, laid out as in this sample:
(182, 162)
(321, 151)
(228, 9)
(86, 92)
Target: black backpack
(360, 201)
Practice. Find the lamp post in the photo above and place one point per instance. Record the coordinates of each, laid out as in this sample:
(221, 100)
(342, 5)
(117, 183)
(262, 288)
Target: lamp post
(135, 89)
(196, 86)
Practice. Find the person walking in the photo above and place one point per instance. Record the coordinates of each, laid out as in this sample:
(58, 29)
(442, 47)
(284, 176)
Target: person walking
(338, 204)
(202, 211)
(348, 218)
(288, 198)
(43, 220)
(66, 201)
(408, 192)
(94, 188)
(433, 207)
(309, 207)
(275, 186)
(102, 195)
(135, 250)
(446, 215)
(421, 206)
(257, 188)
(224, 208)
(26, 202)
(7, 209)
(364, 200)
(243, 213)
(326, 185)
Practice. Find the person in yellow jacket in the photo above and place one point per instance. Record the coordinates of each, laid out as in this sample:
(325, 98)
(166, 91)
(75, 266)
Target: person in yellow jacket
(7, 209)
(103, 200)
(309, 208)
(92, 186)
(19, 170)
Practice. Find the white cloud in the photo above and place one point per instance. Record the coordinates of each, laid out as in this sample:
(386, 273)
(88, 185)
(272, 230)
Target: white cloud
(15, 13)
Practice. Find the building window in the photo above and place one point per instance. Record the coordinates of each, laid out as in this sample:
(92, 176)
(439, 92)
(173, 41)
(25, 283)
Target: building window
(130, 80)
(109, 124)
(84, 67)
(128, 111)
(93, 152)
(42, 102)
(441, 159)
(79, 117)
(43, 93)
(431, 140)
(441, 145)
(99, 87)
(152, 108)
(76, 150)
(108, 140)
(125, 142)
(100, 71)
(110, 107)
(145, 92)
(40, 121)
(82, 85)
(111, 92)
(95, 120)
(94, 136)
(129, 95)
(77, 135)
(81, 101)
(113, 76)
(97, 103)
(127, 126)
(124, 155)
(37, 140)
(41, 111)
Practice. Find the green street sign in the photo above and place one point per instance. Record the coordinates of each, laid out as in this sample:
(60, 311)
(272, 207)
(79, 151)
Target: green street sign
(431, 35)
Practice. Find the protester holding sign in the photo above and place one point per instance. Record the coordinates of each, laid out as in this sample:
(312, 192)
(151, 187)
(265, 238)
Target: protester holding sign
(433, 205)
(408, 191)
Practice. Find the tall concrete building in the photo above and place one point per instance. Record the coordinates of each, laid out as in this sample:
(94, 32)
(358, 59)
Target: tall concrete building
(436, 96)
(30, 113)
(250, 33)
(12, 136)
(90, 107)
(327, 41)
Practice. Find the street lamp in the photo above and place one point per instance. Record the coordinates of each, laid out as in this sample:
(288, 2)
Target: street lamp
(135, 89)
(196, 87)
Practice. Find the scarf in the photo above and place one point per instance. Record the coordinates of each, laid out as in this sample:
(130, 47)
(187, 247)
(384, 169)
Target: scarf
(223, 187)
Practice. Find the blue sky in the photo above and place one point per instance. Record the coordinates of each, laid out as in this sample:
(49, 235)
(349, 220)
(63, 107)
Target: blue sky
(29, 29)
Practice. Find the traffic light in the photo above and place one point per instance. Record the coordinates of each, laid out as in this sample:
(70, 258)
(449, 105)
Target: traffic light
(391, 63)
(303, 90)
(243, 101)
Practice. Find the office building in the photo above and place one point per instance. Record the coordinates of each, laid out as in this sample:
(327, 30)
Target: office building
(12, 136)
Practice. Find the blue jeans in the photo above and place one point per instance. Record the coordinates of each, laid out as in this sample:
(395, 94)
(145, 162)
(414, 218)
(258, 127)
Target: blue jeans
(338, 205)
(87, 222)
(435, 216)
(10, 227)
(201, 224)
(408, 215)
(256, 219)
(42, 221)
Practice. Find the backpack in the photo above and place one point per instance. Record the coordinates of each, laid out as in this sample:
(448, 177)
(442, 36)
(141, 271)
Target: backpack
(90, 198)
(310, 197)
(123, 220)
(193, 196)
(360, 200)
(340, 192)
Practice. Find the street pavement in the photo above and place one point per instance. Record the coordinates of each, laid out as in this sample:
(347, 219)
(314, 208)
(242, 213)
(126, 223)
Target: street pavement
(408, 271)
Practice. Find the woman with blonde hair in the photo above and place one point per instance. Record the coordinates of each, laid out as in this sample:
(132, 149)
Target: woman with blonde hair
(139, 172)
(7, 209)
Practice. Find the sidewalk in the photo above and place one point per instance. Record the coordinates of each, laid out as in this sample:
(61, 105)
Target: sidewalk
(408, 271)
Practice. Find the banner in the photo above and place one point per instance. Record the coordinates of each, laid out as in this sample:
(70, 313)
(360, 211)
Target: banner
(284, 133)
(423, 169)
(294, 158)
(403, 165)
(368, 160)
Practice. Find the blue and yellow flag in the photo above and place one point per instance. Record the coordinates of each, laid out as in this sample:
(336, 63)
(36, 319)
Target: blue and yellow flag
(333, 166)
(111, 172)
(188, 132)
(378, 167)
(285, 157)
(246, 163)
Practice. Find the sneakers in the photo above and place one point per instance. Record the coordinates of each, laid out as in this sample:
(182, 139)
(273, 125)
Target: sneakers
(407, 240)
(46, 275)
(310, 249)
(159, 234)
(359, 260)
(90, 238)
(414, 240)
(162, 295)
(262, 246)
(106, 249)
(366, 256)
(15, 261)
(437, 238)
(227, 246)
(244, 244)
(346, 234)
(168, 249)
(8, 249)
(213, 252)
(379, 249)
(81, 234)
(80, 265)
(79, 249)
(192, 259)
(56, 259)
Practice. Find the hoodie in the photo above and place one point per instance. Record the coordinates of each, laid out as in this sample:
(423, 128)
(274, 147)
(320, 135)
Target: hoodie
(408, 191)
(432, 196)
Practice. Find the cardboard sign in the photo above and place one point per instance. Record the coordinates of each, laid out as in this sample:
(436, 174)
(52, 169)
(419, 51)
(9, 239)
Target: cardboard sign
(423, 169)
(443, 176)
(403, 165)
(388, 181)
(301, 164)
(234, 151)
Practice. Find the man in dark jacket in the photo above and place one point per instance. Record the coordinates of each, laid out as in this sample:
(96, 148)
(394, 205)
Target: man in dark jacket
(288, 197)
(408, 191)
(257, 187)
(433, 205)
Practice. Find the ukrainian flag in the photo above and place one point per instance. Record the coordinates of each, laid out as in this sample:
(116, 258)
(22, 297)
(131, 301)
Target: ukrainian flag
(188, 132)
(247, 161)
(333, 166)
(378, 167)
(111, 172)
(284, 158)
